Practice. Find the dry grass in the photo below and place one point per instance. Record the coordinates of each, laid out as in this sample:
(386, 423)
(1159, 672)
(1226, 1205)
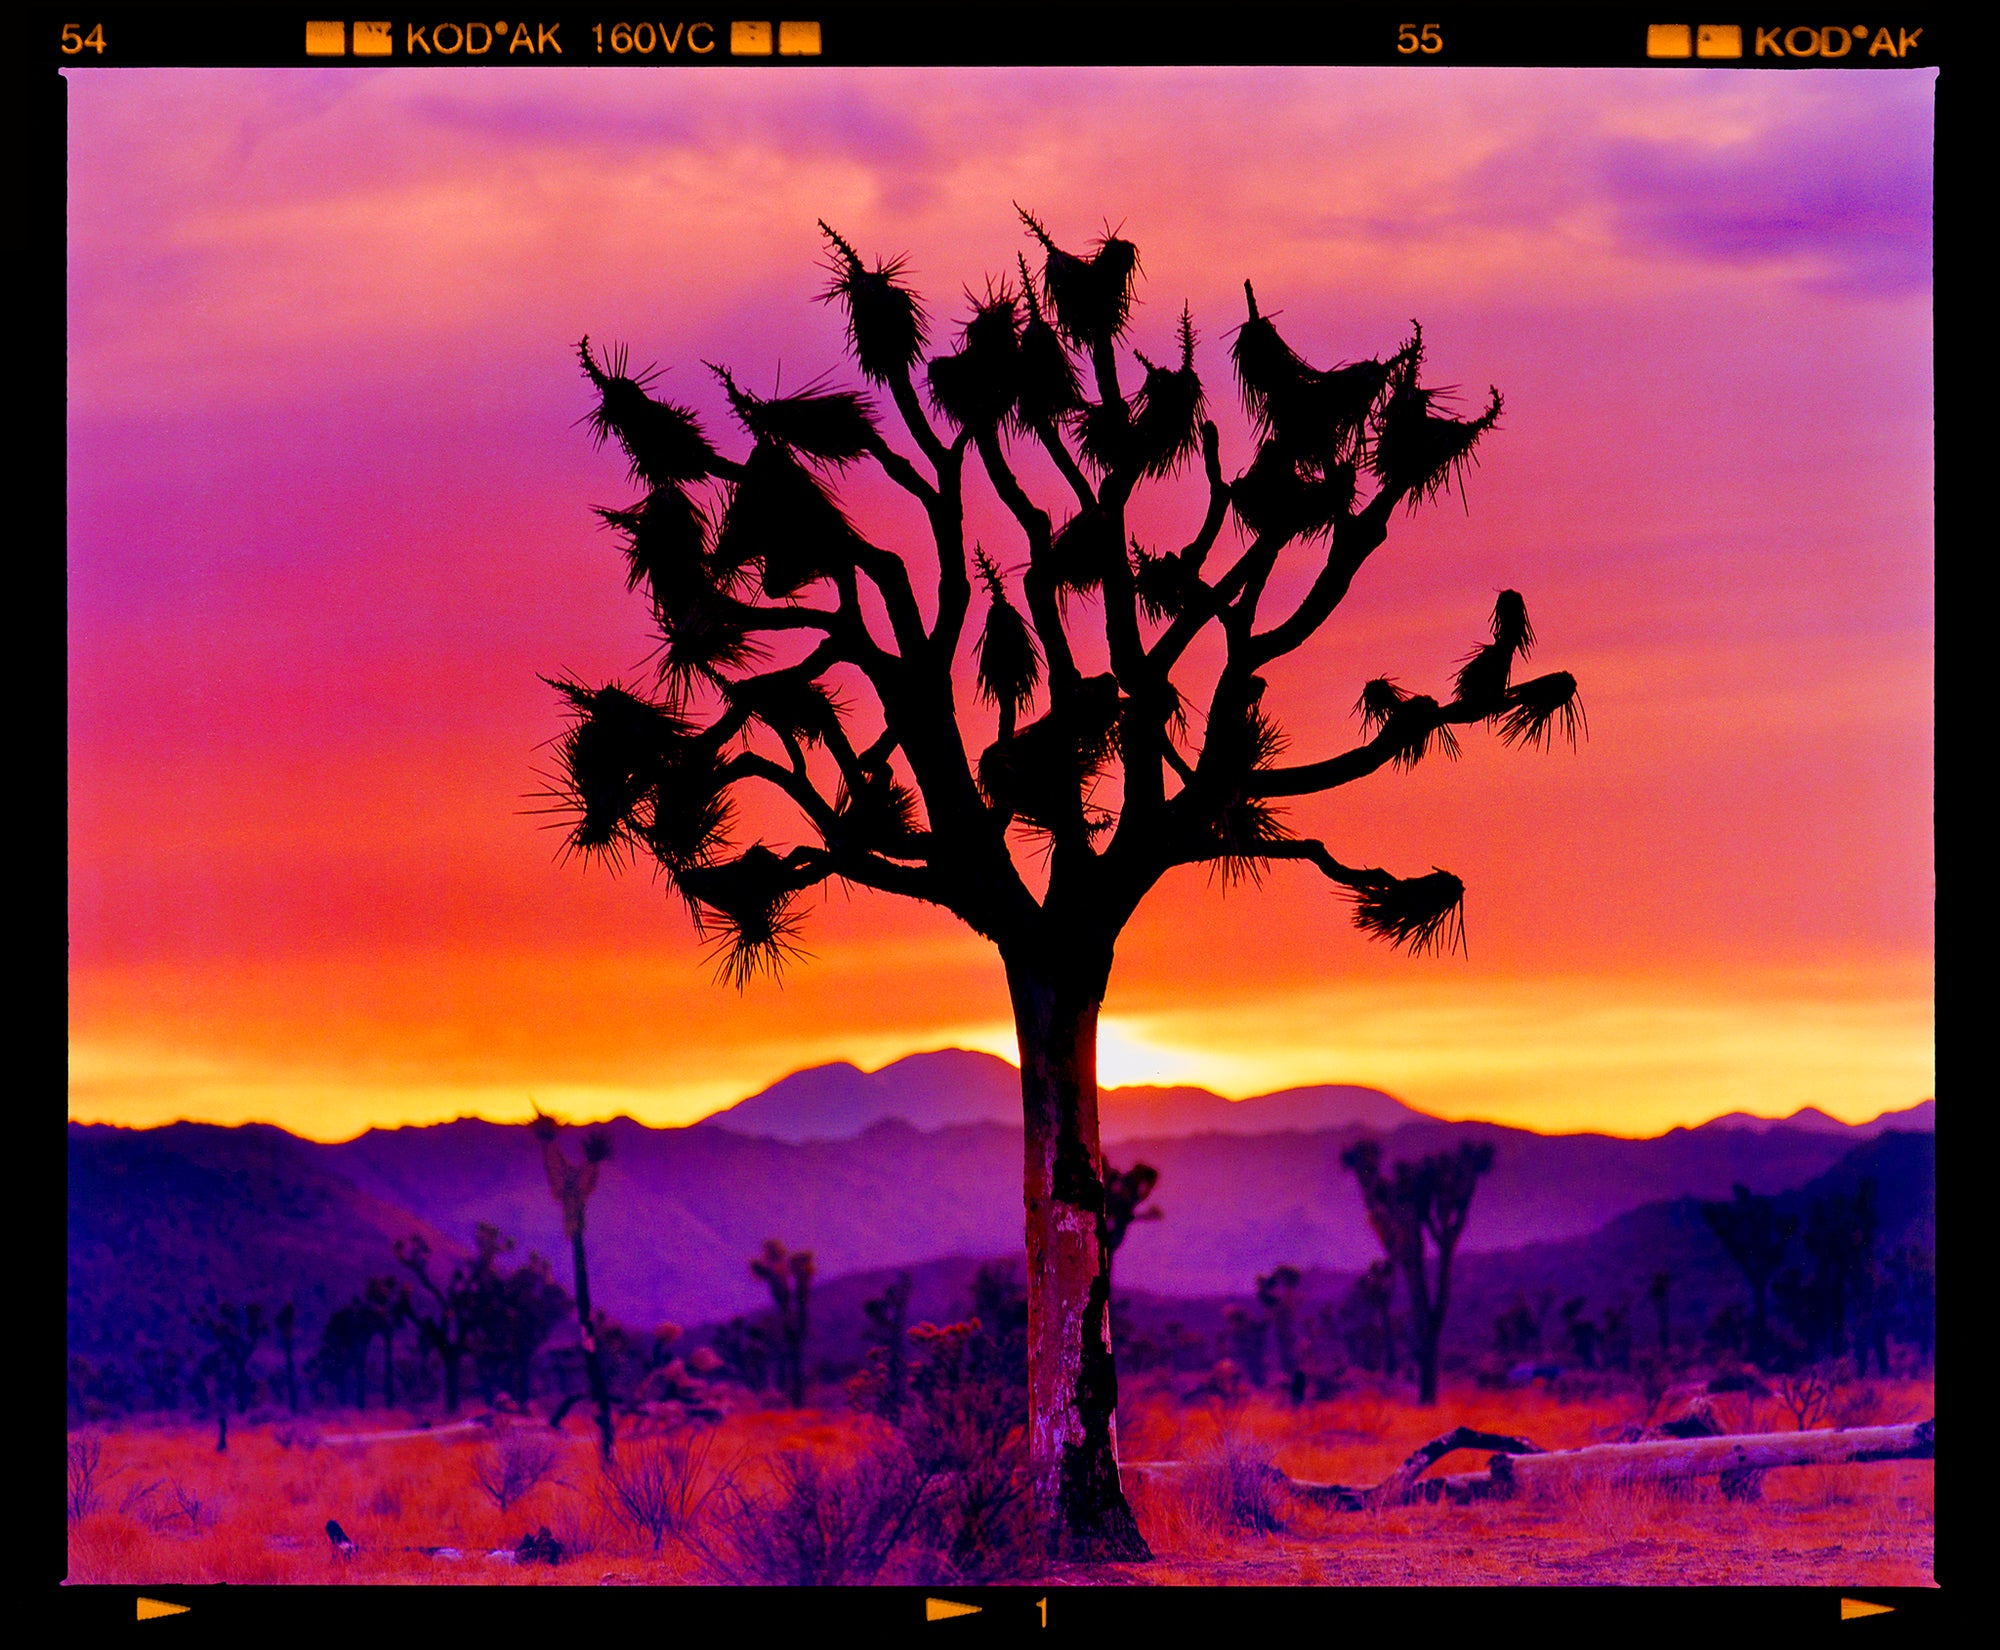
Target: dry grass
(166, 1508)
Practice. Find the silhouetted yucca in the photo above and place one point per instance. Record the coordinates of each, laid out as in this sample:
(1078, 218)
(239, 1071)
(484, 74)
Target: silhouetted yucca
(1378, 702)
(832, 426)
(664, 442)
(1160, 582)
(691, 816)
(886, 327)
(611, 756)
(879, 808)
(1091, 298)
(1040, 775)
(976, 388)
(749, 907)
(1311, 414)
(1167, 412)
(1417, 450)
(1242, 837)
(883, 803)
(1008, 659)
(790, 703)
(1046, 389)
(1412, 731)
(1423, 913)
(1536, 707)
(1482, 679)
(1083, 549)
(665, 533)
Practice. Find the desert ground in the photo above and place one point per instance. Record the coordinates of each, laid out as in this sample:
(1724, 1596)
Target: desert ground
(161, 1505)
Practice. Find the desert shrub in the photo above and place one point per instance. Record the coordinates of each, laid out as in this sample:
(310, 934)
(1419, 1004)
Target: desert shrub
(186, 1507)
(86, 1475)
(659, 1486)
(821, 1525)
(512, 1465)
(580, 1526)
(1808, 1393)
(1234, 1483)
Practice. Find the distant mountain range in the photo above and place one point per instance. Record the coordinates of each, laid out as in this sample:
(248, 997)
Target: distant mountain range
(955, 1085)
(162, 1217)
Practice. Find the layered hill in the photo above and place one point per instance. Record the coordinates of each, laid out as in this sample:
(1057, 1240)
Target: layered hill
(166, 1223)
(163, 1217)
(955, 1085)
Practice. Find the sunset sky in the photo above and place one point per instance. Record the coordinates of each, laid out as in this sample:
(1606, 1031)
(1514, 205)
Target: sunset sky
(329, 519)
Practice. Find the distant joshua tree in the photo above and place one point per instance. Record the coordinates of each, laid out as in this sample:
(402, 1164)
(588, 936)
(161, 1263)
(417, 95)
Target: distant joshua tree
(1277, 1293)
(1124, 1191)
(1754, 1235)
(1656, 1294)
(774, 610)
(788, 1274)
(571, 1184)
(233, 1335)
(1428, 1198)
(448, 1313)
(386, 1303)
(888, 1332)
(286, 1322)
(1369, 1316)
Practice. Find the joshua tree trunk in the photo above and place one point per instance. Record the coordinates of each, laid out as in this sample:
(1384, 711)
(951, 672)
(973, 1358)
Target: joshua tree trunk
(450, 1357)
(1072, 1385)
(593, 1360)
(1424, 1326)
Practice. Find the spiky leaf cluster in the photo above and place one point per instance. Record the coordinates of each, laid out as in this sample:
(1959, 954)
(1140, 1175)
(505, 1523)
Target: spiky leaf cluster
(748, 908)
(826, 426)
(663, 442)
(635, 776)
(886, 325)
(1008, 658)
(1090, 297)
(1419, 451)
(1421, 913)
(977, 387)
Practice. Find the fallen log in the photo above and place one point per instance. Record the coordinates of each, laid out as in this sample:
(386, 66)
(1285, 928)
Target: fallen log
(1517, 1466)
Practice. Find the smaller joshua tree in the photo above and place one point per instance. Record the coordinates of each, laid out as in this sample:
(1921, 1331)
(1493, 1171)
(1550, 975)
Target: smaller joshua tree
(571, 1185)
(788, 1274)
(1124, 1191)
(888, 1380)
(1277, 1293)
(1755, 1235)
(1428, 1198)
(449, 1313)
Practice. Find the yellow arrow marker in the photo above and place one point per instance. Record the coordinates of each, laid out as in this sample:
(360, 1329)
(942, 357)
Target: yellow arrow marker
(937, 1609)
(1852, 1607)
(151, 1607)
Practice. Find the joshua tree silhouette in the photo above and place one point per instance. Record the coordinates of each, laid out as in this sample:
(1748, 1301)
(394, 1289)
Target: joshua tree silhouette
(788, 1274)
(1124, 1191)
(1428, 1198)
(1755, 1236)
(571, 1184)
(749, 560)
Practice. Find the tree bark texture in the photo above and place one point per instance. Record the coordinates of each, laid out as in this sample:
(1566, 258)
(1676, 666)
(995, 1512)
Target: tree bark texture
(1072, 1386)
